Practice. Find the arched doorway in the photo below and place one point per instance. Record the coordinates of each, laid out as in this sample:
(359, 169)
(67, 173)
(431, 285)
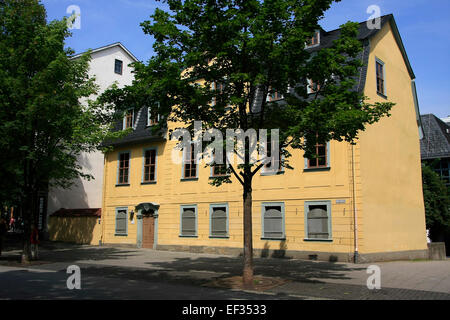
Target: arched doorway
(147, 228)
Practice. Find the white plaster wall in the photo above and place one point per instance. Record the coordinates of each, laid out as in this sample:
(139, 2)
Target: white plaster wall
(88, 194)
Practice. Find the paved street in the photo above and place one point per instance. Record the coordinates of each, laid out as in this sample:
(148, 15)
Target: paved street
(122, 273)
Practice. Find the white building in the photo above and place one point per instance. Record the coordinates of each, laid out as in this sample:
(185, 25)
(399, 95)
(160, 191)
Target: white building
(109, 64)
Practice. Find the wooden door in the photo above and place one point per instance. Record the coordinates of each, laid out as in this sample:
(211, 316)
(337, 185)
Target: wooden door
(148, 228)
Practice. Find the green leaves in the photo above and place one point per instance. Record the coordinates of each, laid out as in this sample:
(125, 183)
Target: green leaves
(43, 125)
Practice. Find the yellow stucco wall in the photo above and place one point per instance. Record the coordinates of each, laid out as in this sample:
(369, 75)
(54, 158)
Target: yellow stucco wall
(388, 185)
(391, 212)
(292, 188)
(80, 230)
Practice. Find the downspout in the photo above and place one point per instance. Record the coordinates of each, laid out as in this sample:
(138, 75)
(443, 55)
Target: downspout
(103, 216)
(355, 213)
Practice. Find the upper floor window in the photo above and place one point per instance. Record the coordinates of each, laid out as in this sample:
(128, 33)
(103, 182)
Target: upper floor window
(128, 119)
(152, 116)
(274, 165)
(321, 159)
(312, 86)
(275, 96)
(118, 66)
(221, 168)
(149, 166)
(380, 71)
(314, 40)
(124, 168)
(189, 163)
(218, 87)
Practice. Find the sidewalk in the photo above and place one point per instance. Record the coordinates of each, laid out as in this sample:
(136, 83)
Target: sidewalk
(428, 280)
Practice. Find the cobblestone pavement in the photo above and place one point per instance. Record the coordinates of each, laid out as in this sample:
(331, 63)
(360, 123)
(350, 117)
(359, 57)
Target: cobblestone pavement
(404, 280)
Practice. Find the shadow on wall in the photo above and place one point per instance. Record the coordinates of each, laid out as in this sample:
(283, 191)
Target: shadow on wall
(280, 253)
(73, 197)
(79, 230)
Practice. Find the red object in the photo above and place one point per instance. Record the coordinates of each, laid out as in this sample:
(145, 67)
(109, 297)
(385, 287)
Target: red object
(34, 236)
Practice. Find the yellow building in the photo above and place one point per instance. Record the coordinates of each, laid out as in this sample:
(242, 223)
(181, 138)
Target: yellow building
(365, 198)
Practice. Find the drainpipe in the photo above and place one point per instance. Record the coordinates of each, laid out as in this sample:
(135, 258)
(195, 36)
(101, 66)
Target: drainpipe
(355, 214)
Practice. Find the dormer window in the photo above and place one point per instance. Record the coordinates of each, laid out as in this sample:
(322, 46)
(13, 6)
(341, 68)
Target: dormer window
(312, 86)
(274, 96)
(128, 119)
(314, 40)
(118, 67)
(152, 117)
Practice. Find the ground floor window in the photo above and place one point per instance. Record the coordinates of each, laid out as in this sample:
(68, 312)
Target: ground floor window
(188, 221)
(318, 220)
(218, 221)
(121, 222)
(273, 221)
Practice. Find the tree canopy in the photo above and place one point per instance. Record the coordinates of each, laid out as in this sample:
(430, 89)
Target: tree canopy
(219, 62)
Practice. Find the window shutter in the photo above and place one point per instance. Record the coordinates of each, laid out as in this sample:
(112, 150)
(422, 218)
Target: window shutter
(188, 227)
(318, 222)
(273, 223)
(121, 222)
(219, 222)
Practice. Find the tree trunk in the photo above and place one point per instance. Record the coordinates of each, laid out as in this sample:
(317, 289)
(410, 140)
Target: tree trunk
(248, 237)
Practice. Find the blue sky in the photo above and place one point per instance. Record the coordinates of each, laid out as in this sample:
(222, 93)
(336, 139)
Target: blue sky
(423, 25)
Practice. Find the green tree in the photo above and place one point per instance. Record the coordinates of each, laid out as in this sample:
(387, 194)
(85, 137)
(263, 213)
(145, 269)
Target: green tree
(252, 48)
(43, 125)
(437, 204)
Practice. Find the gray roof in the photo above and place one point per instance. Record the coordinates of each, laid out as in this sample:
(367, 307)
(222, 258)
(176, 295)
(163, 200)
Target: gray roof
(436, 142)
(142, 133)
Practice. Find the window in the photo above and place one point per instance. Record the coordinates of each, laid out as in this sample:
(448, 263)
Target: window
(275, 96)
(149, 166)
(188, 226)
(118, 67)
(218, 87)
(273, 221)
(152, 117)
(121, 222)
(124, 167)
(189, 163)
(314, 40)
(219, 170)
(312, 87)
(380, 77)
(128, 119)
(268, 168)
(322, 157)
(218, 221)
(318, 220)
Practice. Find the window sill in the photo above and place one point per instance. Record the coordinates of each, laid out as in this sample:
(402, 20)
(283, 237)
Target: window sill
(318, 240)
(188, 179)
(120, 235)
(274, 239)
(148, 183)
(219, 237)
(215, 177)
(316, 169)
(123, 185)
(268, 174)
(382, 95)
(193, 237)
